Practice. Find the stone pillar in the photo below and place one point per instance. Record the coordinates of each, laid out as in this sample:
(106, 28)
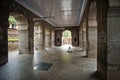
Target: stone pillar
(23, 39)
(37, 33)
(92, 40)
(4, 15)
(113, 43)
(23, 33)
(53, 38)
(48, 37)
(92, 31)
(85, 37)
(31, 36)
(102, 39)
(81, 37)
(42, 35)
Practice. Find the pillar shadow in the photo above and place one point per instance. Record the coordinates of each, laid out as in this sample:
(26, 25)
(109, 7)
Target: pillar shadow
(95, 75)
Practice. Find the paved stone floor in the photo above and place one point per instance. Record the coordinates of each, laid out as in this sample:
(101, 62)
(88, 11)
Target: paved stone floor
(66, 66)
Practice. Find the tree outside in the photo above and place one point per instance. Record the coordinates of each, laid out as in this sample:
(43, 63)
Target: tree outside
(66, 37)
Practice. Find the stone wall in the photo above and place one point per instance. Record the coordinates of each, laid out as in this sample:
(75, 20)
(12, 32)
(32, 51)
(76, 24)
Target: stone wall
(75, 37)
(113, 38)
(13, 33)
(74, 33)
(58, 37)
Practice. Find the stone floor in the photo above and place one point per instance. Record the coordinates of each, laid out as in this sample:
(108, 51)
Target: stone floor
(66, 66)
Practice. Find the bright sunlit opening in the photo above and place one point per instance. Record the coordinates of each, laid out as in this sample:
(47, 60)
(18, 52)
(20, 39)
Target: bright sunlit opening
(66, 37)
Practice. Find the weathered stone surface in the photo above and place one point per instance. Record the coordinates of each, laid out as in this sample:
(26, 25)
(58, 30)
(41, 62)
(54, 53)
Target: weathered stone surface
(58, 37)
(113, 38)
(92, 38)
(37, 39)
(48, 37)
(53, 38)
(114, 3)
(81, 38)
(30, 35)
(23, 42)
(75, 37)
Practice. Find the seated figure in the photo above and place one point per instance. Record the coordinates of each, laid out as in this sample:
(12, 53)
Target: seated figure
(69, 49)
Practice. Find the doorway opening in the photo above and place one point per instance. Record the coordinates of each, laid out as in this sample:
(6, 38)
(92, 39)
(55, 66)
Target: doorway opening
(66, 37)
(12, 34)
(18, 33)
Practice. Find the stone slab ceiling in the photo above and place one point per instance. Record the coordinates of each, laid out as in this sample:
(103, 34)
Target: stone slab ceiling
(59, 13)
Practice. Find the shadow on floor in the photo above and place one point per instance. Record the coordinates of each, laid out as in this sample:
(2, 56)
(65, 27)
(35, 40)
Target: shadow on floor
(95, 75)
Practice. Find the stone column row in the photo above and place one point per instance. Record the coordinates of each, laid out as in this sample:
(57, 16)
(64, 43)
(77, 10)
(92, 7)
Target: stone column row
(43, 35)
(28, 38)
(25, 29)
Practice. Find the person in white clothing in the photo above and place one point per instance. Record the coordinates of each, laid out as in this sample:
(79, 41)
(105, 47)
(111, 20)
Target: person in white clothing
(69, 49)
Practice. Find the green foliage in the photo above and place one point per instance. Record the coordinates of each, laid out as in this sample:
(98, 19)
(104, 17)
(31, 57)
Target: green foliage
(12, 20)
(13, 39)
(66, 33)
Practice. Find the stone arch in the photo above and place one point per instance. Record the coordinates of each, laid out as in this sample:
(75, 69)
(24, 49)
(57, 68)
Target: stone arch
(67, 40)
(92, 30)
(17, 8)
(22, 24)
(21, 20)
(101, 35)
